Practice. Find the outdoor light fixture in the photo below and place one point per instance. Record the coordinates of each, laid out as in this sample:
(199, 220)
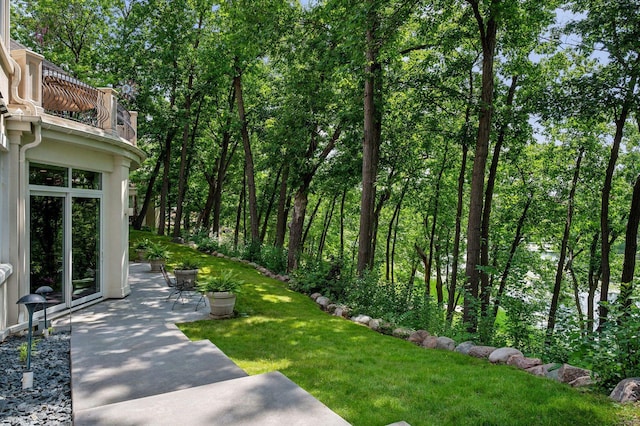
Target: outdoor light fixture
(30, 301)
(43, 291)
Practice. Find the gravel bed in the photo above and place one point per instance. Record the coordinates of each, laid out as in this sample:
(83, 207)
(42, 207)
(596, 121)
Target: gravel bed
(48, 402)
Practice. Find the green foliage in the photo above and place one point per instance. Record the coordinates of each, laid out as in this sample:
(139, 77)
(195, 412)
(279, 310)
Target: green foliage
(188, 264)
(142, 244)
(274, 258)
(320, 277)
(23, 350)
(251, 251)
(156, 251)
(614, 352)
(227, 281)
(520, 328)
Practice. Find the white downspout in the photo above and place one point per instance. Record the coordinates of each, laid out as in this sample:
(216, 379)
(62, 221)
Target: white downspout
(22, 205)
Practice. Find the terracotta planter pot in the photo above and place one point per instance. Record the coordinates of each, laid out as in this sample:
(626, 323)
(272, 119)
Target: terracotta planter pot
(222, 304)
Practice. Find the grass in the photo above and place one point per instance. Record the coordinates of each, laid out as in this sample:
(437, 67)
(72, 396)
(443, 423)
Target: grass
(373, 379)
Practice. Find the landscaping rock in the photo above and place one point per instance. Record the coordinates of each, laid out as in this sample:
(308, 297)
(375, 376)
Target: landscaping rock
(464, 347)
(481, 351)
(402, 333)
(628, 390)
(375, 324)
(283, 278)
(522, 362)
(362, 319)
(430, 342)
(581, 382)
(553, 373)
(315, 296)
(323, 302)
(331, 308)
(540, 370)
(500, 356)
(445, 343)
(253, 264)
(342, 311)
(569, 373)
(418, 336)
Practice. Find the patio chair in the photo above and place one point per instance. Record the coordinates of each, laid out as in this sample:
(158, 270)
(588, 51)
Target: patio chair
(171, 283)
(186, 287)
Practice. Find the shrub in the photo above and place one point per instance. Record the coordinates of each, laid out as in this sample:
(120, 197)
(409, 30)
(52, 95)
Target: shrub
(274, 259)
(321, 277)
(614, 353)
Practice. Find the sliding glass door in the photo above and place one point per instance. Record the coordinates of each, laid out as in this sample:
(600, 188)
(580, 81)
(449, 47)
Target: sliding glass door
(65, 229)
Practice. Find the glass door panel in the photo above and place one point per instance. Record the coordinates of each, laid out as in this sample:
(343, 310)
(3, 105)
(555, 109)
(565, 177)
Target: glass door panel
(85, 243)
(47, 245)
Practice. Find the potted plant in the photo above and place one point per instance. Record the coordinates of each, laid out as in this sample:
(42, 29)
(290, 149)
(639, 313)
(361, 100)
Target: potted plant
(221, 291)
(141, 248)
(157, 255)
(186, 271)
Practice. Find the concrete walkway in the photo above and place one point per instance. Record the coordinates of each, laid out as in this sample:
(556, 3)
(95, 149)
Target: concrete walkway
(130, 365)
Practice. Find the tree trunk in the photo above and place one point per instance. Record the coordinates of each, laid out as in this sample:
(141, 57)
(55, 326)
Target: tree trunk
(370, 143)
(604, 208)
(436, 204)
(164, 192)
(342, 202)
(451, 303)
(485, 288)
(630, 250)
(239, 212)
(576, 287)
(427, 278)
(148, 196)
(300, 202)
(223, 163)
(272, 199)
(439, 292)
(551, 323)
(186, 156)
(512, 251)
(474, 226)
(296, 237)
(310, 222)
(281, 222)
(594, 278)
(248, 155)
(325, 228)
(392, 233)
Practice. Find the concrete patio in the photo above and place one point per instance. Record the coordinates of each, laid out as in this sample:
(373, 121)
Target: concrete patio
(130, 365)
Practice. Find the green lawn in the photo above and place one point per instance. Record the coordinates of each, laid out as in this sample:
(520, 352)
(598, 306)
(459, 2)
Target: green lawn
(373, 379)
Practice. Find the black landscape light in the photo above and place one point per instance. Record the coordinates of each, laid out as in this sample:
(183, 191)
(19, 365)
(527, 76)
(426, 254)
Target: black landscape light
(44, 291)
(30, 301)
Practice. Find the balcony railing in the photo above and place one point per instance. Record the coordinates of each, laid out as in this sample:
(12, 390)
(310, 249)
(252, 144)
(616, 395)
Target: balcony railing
(58, 93)
(67, 97)
(70, 98)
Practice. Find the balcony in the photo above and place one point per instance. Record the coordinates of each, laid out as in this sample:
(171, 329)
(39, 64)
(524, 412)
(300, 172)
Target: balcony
(54, 92)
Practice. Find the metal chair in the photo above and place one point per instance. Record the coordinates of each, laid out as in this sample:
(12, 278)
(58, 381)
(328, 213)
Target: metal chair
(170, 283)
(182, 287)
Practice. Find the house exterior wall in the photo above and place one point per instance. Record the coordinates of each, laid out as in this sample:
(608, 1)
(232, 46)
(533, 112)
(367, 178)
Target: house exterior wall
(28, 134)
